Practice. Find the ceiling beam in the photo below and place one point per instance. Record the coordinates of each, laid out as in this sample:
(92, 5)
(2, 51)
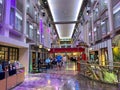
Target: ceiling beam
(64, 22)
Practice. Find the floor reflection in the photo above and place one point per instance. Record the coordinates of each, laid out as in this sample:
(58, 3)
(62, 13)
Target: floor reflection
(64, 79)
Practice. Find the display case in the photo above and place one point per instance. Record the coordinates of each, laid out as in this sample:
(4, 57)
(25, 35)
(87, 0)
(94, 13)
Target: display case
(20, 75)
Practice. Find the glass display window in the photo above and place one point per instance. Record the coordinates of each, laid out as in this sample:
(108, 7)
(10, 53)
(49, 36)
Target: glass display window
(9, 53)
(3, 53)
(13, 54)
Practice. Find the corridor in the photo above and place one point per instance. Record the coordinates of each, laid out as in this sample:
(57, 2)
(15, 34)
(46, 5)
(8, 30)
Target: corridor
(64, 79)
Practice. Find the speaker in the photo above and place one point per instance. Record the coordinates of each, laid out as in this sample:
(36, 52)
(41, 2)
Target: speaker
(43, 14)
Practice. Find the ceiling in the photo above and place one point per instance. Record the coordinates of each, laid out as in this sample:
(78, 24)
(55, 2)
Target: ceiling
(65, 11)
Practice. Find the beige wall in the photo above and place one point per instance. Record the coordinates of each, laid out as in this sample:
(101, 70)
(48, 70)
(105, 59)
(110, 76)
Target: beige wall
(24, 58)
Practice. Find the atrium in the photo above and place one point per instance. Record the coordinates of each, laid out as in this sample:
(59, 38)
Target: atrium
(59, 44)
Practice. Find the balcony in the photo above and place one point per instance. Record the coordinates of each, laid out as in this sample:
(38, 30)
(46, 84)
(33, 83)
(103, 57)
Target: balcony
(15, 23)
(96, 14)
(103, 5)
(104, 28)
(116, 18)
(115, 2)
(31, 11)
(18, 21)
(31, 33)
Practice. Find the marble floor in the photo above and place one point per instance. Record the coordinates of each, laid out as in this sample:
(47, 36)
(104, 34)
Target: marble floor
(65, 79)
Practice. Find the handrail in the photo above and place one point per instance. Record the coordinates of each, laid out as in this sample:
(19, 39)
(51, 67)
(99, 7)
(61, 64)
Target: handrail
(99, 65)
(104, 73)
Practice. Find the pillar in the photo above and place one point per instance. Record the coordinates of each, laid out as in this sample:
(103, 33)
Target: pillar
(110, 18)
(24, 58)
(24, 20)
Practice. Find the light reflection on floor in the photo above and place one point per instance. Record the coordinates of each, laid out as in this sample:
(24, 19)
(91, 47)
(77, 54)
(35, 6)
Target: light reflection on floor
(52, 80)
(64, 79)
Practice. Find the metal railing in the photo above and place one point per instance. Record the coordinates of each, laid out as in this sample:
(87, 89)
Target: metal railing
(104, 73)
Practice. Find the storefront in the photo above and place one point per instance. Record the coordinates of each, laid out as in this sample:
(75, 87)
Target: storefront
(100, 53)
(69, 52)
(9, 54)
(36, 53)
(94, 57)
(104, 56)
(12, 72)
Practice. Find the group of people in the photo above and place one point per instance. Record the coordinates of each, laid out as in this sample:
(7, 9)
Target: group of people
(56, 62)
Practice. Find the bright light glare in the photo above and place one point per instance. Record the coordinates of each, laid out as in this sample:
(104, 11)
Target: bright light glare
(76, 9)
(60, 31)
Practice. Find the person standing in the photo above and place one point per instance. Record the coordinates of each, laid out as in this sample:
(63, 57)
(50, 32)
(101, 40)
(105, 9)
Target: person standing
(64, 60)
(47, 61)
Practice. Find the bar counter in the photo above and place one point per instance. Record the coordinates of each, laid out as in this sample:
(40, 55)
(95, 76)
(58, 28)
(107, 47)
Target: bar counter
(10, 79)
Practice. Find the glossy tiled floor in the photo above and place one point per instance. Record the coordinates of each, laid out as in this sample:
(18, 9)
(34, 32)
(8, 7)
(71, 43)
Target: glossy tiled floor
(65, 79)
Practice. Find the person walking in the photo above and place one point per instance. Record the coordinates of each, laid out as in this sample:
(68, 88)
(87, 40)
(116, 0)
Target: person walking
(59, 61)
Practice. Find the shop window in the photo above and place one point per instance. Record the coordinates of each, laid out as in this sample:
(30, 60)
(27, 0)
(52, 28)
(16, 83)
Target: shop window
(13, 54)
(117, 19)
(8, 54)
(3, 53)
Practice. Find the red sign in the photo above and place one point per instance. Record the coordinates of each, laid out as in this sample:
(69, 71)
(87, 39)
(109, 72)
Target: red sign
(62, 50)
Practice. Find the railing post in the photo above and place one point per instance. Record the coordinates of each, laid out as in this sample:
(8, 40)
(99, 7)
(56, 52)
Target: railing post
(118, 77)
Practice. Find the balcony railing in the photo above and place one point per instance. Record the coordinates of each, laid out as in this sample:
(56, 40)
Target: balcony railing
(31, 32)
(16, 19)
(96, 14)
(31, 11)
(103, 73)
(103, 5)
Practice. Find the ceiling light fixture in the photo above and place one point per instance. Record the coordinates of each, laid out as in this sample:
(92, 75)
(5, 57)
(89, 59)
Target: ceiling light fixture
(72, 10)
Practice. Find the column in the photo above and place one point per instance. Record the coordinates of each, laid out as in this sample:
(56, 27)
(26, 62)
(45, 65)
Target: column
(110, 18)
(24, 20)
(24, 58)
(7, 17)
(110, 53)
